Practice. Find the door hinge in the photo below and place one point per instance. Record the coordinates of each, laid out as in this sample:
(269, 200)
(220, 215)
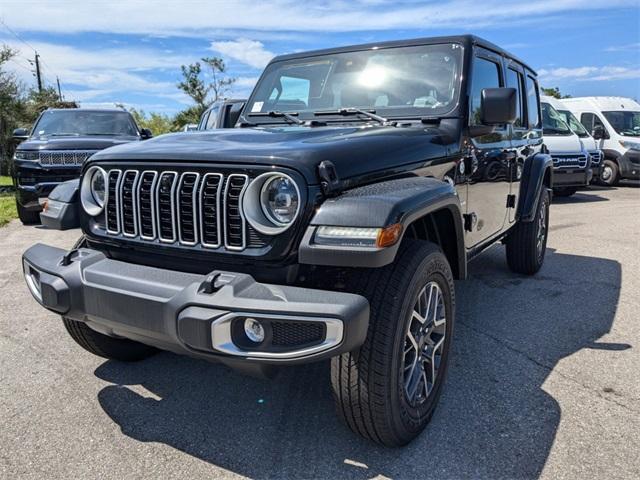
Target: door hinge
(511, 201)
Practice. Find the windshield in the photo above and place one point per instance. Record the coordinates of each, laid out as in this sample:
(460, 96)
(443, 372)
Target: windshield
(625, 123)
(573, 123)
(552, 122)
(401, 81)
(82, 122)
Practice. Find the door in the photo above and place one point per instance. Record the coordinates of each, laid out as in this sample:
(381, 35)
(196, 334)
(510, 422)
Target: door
(526, 133)
(490, 157)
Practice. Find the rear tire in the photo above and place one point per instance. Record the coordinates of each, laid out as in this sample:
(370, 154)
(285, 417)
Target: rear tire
(27, 217)
(386, 391)
(527, 243)
(104, 346)
(609, 175)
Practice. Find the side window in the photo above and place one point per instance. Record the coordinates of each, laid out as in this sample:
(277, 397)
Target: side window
(486, 74)
(532, 103)
(587, 120)
(213, 117)
(514, 80)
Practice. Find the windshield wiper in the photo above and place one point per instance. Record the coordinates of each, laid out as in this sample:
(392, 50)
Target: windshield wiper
(354, 111)
(277, 113)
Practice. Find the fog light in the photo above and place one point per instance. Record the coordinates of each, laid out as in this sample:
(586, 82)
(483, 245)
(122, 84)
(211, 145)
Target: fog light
(253, 330)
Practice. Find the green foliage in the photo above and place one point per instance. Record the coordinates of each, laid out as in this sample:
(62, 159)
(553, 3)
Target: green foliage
(5, 181)
(7, 209)
(202, 91)
(158, 123)
(554, 92)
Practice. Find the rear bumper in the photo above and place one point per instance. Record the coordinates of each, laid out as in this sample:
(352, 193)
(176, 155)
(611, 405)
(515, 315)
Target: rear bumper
(191, 314)
(568, 177)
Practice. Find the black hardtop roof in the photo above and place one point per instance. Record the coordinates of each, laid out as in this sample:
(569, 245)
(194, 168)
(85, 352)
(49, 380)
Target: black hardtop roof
(465, 40)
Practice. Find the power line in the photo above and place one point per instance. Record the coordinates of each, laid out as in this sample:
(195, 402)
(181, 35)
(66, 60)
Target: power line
(16, 35)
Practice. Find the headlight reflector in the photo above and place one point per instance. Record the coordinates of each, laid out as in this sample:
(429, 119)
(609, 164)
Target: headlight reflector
(271, 203)
(93, 191)
(279, 199)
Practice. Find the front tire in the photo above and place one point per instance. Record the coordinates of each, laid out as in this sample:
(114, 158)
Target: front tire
(609, 173)
(527, 242)
(104, 346)
(388, 389)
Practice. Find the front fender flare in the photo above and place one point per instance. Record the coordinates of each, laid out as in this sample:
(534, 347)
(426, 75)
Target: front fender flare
(532, 183)
(380, 205)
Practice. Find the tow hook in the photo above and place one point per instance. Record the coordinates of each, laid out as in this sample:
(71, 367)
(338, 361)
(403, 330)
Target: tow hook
(215, 281)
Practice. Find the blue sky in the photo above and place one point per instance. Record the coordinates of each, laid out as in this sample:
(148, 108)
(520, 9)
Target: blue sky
(131, 51)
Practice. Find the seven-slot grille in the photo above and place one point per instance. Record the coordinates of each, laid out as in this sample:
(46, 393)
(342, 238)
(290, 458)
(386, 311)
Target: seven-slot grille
(64, 157)
(184, 208)
(570, 160)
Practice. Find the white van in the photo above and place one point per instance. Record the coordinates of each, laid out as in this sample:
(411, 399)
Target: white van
(571, 162)
(589, 143)
(615, 123)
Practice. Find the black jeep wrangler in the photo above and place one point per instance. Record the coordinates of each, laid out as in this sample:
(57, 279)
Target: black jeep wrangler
(59, 143)
(331, 223)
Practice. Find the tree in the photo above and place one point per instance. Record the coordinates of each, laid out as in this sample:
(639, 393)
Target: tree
(38, 101)
(202, 91)
(158, 123)
(554, 92)
(12, 107)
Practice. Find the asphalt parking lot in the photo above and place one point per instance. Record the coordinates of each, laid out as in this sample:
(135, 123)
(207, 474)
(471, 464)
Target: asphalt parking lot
(544, 381)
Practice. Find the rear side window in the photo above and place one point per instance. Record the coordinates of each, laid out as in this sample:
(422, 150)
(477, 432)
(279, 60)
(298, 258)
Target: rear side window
(486, 74)
(514, 80)
(532, 103)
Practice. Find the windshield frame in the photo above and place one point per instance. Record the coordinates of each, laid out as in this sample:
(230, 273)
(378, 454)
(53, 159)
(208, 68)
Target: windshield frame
(568, 115)
(34, 130)
(311, 114)
(606, 114)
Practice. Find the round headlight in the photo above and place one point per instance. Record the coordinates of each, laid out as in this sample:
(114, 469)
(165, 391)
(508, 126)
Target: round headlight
(279, 200)
(271, 203)
(98, 187)
(93, 190)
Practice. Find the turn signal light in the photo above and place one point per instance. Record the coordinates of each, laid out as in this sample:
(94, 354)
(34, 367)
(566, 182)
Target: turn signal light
(389, 235)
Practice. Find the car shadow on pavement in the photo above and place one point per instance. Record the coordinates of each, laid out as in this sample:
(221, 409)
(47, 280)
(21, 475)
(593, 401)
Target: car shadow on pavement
(494, 420)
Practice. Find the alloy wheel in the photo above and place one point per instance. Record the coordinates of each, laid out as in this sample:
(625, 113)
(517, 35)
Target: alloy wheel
(542, 230)
(424, 344)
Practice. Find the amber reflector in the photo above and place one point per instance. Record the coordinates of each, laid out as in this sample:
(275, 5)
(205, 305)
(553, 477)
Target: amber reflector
(389, 235)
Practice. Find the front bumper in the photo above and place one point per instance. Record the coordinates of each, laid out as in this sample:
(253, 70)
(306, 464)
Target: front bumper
(34, 181)
(572, 177)
(197, 315)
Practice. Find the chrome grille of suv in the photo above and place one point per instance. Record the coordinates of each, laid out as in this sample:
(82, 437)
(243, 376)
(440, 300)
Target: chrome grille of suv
(570, 160)
(188, 208)
(64, 157)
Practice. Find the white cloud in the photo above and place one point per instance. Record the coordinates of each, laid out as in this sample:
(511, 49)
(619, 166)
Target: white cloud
(631, 47)
(200, 17)
(589, 73)
(249, 52)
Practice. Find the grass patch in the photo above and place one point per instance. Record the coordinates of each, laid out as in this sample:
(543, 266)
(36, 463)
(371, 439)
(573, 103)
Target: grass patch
(5, 181)
(7, 209)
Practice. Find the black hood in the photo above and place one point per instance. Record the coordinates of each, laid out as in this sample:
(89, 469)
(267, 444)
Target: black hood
(354, 150)
(74, 143)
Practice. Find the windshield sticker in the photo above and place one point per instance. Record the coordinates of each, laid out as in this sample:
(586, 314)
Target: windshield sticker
(257, 107)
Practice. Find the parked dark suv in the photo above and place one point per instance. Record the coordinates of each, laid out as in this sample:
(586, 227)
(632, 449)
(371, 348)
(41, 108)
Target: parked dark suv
(330, 224)
(59, 143)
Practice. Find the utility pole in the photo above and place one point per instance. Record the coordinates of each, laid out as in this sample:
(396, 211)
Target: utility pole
(38, 75)
(59, 91)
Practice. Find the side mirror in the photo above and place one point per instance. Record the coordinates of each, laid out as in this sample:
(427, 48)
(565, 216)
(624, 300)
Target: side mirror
(20, 134)
(598, 132)
(498, 106)
(145, 133)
